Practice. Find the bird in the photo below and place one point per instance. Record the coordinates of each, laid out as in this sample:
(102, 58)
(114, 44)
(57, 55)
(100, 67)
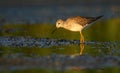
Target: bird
(76, 24)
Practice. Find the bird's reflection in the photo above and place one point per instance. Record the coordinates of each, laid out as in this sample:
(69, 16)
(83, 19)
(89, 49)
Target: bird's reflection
(82, 46)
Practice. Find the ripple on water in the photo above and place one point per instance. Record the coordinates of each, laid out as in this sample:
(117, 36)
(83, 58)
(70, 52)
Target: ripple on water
(59, 62)
(19, 60)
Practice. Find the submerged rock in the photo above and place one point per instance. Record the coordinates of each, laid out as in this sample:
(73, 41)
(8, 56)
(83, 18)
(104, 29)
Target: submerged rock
(31, 42)
(59, 62)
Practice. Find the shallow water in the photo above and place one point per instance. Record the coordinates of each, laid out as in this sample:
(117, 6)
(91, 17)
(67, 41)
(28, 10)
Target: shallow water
(32, 48)
(24, 53)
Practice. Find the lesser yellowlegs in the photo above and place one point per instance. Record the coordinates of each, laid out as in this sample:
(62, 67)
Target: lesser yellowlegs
(76, 24)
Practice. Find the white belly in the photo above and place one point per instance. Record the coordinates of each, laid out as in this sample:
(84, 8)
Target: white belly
(74, 27)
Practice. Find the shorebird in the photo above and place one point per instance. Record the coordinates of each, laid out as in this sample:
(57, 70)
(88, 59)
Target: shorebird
(76, 24)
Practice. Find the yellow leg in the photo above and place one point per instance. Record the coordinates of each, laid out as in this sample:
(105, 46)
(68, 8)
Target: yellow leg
(82, 37)
(82, 48)
(81, 43)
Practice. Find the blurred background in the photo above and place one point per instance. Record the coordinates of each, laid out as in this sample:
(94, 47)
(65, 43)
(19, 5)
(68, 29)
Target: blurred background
(27, 45)
(45, 11)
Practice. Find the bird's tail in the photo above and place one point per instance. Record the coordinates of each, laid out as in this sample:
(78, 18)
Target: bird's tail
(98, 17)
(94, 19)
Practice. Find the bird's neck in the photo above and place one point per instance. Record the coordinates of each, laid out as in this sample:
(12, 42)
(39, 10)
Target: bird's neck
(65, 25)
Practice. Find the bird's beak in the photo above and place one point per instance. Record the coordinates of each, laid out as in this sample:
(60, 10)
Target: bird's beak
(53, 30)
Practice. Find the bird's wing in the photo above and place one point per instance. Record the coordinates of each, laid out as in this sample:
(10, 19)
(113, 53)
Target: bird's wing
(83, 20)
(80, 20)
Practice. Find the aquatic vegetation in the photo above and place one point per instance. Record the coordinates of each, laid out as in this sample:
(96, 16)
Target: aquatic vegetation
(104, 30)
(32, 47)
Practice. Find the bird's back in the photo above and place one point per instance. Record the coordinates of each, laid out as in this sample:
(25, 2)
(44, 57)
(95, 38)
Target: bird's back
(83, 20)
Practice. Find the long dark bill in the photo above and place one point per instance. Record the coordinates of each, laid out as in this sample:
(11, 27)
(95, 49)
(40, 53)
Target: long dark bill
(53, 30)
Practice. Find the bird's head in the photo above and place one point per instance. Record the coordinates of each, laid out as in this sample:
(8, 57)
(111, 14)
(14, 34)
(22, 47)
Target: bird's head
(59, 23)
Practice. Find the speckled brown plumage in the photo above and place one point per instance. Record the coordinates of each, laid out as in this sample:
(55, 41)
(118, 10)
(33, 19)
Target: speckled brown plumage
(83, 20)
